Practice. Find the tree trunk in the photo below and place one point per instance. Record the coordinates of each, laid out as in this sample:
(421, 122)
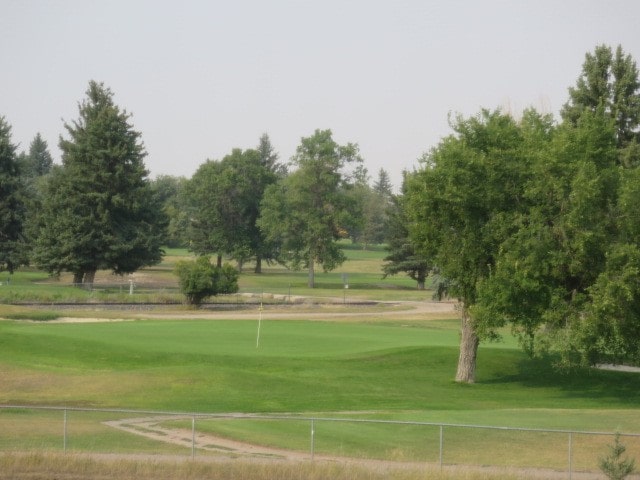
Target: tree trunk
(88, 279)
(219, 261)
(258, 268)
(77, 279)
(422, 279)
(312, 281)
(468, 350)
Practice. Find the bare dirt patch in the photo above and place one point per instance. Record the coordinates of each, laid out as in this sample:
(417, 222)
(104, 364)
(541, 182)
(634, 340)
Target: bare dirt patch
(385, 310)
(150, 427)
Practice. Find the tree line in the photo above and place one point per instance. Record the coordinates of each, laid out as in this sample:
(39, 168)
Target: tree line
(99, 210)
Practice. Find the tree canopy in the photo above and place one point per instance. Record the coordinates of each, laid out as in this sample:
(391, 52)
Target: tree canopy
(305, 213)
(224, 200)
(535, 225)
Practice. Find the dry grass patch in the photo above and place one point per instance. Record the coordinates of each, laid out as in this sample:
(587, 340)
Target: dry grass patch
(49, 466)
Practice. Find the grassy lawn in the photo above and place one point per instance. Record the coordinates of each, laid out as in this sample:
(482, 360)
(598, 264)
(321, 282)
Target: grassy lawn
(389, 371)
(300, 366)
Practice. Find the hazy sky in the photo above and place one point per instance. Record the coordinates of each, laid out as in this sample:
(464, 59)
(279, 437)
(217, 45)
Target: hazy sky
(203, 77)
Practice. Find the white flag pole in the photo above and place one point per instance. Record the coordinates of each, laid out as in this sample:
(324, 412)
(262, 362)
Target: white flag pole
(259, 323)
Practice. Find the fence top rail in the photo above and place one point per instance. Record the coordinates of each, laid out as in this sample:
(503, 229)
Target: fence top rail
(304, 418)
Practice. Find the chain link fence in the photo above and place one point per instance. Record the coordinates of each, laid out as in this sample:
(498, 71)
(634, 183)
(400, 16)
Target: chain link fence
(29, 428)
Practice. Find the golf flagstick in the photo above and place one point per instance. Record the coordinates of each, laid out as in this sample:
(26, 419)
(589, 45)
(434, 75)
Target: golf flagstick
(259, 322)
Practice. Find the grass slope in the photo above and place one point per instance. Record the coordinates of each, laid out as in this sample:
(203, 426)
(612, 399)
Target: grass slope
(300, 366)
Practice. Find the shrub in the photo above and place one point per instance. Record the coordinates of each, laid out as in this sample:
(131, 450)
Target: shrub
(199, 279)
(614, 465)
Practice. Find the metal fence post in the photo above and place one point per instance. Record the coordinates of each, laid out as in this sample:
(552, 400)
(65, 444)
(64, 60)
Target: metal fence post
(193, 437)
(441, 444)
(64, 432)
(570, 454)
(313, 439)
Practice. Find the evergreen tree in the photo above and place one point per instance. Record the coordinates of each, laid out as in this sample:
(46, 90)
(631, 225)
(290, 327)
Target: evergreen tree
(609, 81)
(616, 465)
(99, 211)
(269, 157)
(34, 168)
(38, 161)
(12, 209)
(377, 209)
(382, 186)
(402, 257)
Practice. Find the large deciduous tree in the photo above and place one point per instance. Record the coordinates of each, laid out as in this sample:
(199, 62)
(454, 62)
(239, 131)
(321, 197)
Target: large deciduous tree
(12, 209)
(306, 212)
(536, 225)
(170, 192)
(460, 205)
(571, 264)
(99, 211)
(224, 198)
(558, 247)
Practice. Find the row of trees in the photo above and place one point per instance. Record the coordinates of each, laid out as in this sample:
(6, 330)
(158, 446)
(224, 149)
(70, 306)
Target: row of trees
(99, 210)
(536, 224)
(250, 206)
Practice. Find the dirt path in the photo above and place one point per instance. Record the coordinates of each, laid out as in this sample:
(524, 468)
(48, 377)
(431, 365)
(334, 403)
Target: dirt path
(151, 427)
(227, 449)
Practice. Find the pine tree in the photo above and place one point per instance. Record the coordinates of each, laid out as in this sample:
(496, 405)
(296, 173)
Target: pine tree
(99, 211)
(402, 257)
(12, 245)
(614, 465)
(609, 82)
(38, 161)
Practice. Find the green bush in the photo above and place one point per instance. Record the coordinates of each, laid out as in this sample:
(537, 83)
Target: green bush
(199, 279)
(614, 465)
